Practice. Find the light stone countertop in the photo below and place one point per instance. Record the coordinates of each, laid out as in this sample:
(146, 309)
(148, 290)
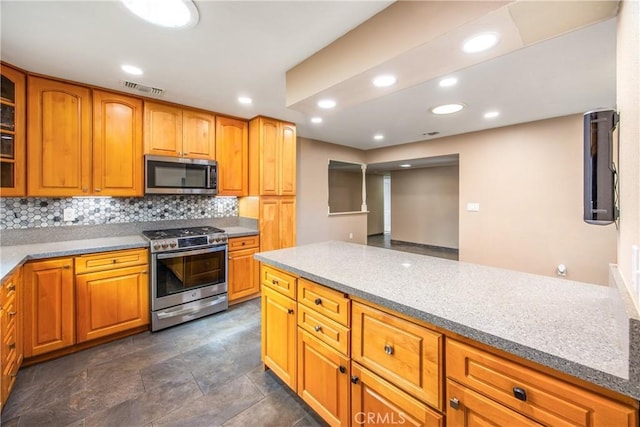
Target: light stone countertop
(13, 256)
(570, 326)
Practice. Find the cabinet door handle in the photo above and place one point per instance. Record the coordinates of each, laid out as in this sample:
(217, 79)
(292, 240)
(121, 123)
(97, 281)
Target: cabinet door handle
(66, 267)
(520, 394)
(231, 259)
(98, 190)
(290, 311)
(388, 349)
(12, 313)
(317, 328)
(342, 369)
(454, 403)
(318, 301)
(11, 287)
(85, 189)
(355, 379)
(144, 272)
(12, 346)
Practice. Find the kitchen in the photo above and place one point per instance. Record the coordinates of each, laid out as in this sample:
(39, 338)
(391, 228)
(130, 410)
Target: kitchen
(312, 223)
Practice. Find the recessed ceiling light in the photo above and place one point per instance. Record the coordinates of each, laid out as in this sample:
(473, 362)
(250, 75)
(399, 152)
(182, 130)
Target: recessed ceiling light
(165, 13)
(244, 100)
(384, 80)
(316, 119)
(326, 103)
(480, 42)
(378, 137)
(130, 69)
(406, 165)
(449, 81)
(447, 108)
(491, 114)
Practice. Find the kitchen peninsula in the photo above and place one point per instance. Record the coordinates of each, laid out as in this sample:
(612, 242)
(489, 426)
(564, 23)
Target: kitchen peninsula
(573, 332)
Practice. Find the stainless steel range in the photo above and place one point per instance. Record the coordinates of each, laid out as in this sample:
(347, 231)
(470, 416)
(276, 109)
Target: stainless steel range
(188, 274)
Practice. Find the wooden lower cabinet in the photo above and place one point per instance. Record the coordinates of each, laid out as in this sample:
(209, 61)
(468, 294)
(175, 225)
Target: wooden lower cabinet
(377, 402)
(470, 409)
(279, 335)
(111, 301)
(49, 306)
(323, 379)
(11, 333)
(244, 270)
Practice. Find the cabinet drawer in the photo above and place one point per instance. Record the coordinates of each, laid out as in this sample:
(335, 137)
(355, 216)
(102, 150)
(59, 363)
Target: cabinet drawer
(109, 260)
(278, 281)
(245, 242)
(545, 399)
(324, 329)
(399, 351)
(375, 401)
(466, 405)
(333, 304)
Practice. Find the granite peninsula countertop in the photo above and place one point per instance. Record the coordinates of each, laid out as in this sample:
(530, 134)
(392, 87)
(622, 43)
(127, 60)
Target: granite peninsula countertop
(573, 327)
(41, 243)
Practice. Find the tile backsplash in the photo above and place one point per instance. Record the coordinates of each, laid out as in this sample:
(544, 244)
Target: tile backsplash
(18, 212)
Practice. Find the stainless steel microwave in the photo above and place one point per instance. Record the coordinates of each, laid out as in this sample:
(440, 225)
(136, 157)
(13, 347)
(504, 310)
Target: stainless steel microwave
(177, 175)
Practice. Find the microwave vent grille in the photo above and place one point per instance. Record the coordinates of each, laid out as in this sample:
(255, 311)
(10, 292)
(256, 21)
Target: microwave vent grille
(143, 88)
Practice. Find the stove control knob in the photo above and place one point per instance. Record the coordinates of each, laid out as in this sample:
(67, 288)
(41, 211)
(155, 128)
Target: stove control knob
(173, 244)
(156, 246)
(164, 245)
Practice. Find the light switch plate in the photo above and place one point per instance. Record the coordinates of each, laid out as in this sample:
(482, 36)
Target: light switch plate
(473, 207)
(69, 214)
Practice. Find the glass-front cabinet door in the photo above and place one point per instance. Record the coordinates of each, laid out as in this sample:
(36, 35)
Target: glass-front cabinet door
(12, 132)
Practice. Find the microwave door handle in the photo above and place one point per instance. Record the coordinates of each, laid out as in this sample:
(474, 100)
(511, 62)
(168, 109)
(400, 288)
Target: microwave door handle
(188, 253)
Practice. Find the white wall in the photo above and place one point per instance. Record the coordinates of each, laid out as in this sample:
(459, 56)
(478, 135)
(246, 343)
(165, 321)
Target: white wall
(628, 100)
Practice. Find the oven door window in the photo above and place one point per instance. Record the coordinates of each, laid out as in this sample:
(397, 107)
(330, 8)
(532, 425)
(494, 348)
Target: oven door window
(181, 271)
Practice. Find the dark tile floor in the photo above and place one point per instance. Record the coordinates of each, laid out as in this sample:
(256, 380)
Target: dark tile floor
(203, 373)
(384, 241)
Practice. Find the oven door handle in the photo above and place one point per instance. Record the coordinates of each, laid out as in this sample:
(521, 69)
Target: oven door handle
(191, 252)
(174, 313)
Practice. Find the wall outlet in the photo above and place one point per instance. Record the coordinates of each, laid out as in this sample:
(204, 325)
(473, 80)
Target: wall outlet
(69, 214)
(350, 236)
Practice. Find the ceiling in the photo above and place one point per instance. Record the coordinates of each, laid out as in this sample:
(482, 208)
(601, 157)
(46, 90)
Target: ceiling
(542, 67)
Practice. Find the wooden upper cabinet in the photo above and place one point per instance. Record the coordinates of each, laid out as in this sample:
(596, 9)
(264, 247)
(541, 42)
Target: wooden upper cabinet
(12, 130)
(117, 145)
(177, 132)
(272, 154)
(58, 138)
(232, 155)
(162, 129)
(198, 135)
(277, 223)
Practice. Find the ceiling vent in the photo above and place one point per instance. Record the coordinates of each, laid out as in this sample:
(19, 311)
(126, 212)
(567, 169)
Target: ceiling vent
(144, 89)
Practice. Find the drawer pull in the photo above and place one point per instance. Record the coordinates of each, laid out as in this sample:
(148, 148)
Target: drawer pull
(355, 379)
(144, 272)
(12, 313)
(274, 282)
(12, 346)
(66, 267)
(244, 243)
(317, 328)
(318, 301)
(11, 287)
(454, 403)
(342, 369)
(290, 311)
(388, 349)
(520, 394)
(115, 261)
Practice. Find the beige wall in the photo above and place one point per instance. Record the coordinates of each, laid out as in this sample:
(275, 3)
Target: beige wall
(375, 204)
(628, 94)
(345, 193)
(424, 206)
(313, 222)
(528, 181)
